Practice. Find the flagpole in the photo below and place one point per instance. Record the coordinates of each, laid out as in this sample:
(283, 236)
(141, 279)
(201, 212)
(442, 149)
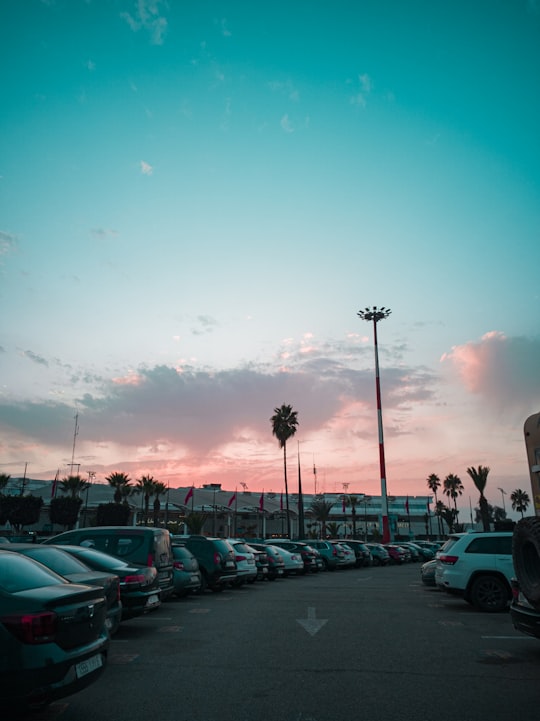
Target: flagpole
(301, 531)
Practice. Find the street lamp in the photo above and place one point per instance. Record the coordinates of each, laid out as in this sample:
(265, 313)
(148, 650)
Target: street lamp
(375, 315)
(503, 494)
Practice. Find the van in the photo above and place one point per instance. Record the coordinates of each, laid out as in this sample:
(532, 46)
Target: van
(141, 545)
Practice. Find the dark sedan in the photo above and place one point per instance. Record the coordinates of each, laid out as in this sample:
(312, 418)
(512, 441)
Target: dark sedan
(308, 554)
(52, 634)
(186, 572)
(139, 585)
(76, 571)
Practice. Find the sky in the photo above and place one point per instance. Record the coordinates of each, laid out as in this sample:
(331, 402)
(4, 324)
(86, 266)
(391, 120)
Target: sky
(196, 199)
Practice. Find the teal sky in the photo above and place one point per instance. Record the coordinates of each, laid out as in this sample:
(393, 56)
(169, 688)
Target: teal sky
(197, 197)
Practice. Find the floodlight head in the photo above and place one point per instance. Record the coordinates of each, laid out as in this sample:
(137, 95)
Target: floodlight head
(375, 314)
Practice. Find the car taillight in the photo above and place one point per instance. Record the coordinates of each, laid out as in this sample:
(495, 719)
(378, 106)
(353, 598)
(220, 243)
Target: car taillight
(271, 561)
(334, 551)
(449, 560)
(179, 565)
(135, 578)
(217, 559)
(150, 560)
(32, 627)
(241, 558)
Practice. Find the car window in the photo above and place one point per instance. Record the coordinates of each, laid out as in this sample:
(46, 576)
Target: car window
(102, 560)
(58, 561)
(490, 544)
(18, 573)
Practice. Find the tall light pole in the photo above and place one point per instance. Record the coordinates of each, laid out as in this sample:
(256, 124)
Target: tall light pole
(375, 315)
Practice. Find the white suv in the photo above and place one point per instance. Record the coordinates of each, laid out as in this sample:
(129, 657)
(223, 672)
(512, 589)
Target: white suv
(479, 567)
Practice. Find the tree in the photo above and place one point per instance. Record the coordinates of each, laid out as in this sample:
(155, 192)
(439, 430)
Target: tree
(479, 477)
(453, 487)
(159, 490)
(434, 483)
(146, 486)
(73, 486)
(121, 483)
(112, 514)
(195, 521)
(520, 501)
(352, 501)
(20, 511)
(333, 528)
(4, 480)
(65, 511)
(284, 423)
(449, 515)
(320, 510)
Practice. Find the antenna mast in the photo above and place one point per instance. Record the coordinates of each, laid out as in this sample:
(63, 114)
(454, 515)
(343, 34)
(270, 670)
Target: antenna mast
(75, 434)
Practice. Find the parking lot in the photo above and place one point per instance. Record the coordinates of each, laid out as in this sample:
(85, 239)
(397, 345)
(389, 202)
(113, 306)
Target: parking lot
(362, 643)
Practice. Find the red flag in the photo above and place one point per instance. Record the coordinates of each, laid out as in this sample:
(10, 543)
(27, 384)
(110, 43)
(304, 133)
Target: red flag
(232, 499)
(407, 505)
(188, 495)
(261, 502)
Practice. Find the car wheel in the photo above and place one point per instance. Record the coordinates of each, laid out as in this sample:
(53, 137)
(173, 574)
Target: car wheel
(489, 593)
(526, 558)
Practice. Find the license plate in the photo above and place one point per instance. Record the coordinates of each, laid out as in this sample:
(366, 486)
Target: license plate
(152, 600)
(280, 572)
(229, 564)
(91, 664)
(195, 578)
(265, 570)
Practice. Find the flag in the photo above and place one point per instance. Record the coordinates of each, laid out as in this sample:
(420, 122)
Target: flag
(232, 499)
(281, 503)
(407, 505)
(261, 502)
(54, 484)
(189, 494)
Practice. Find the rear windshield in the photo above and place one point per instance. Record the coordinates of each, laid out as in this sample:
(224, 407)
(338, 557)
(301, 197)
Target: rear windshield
(57, 560)
(18, 573)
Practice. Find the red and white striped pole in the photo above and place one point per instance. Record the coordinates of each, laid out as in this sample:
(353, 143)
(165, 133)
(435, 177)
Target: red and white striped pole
(376, 314)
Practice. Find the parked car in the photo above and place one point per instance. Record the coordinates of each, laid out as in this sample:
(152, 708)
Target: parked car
(186, 572)
(349, 556)
(138, 544)
(53, 634)
(426, 553)
(361, 552)
(139, 585)
(397, 554)
(293, 563)
(276, 564)
(246, 568)
(414, 551)
(379, 554)
(216, 560)
(261, 561)
(306, 552)
(478, 566)
(76, 571)
(525, 618)
(328, 552)
(427, 572)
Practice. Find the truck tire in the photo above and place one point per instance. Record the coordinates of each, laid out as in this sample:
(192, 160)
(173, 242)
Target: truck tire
(526, 558)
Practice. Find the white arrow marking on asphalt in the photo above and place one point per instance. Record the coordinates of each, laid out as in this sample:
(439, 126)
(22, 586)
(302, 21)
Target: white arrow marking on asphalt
(311, 623)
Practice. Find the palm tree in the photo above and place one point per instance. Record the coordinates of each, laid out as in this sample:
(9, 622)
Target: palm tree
(146, 486)
(520, 500)
(121, 483)
(479, 476)
(434, 483)
(74, 486)
(284, 423)
(352, 501)
(4, 480)
(320, 510)
(453, 487)
(160, 489)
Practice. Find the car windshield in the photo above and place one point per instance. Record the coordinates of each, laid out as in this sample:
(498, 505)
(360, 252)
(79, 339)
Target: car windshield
(57, 560)
(18, 573)
(97, 558)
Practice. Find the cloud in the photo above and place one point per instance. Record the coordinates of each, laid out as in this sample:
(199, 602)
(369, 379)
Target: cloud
(207, 324)
(365, 87)
(146, 168)
(36, 358)
(103, 233)
(502, 371)
(147, 16)
(286, 124)
(8, 242)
